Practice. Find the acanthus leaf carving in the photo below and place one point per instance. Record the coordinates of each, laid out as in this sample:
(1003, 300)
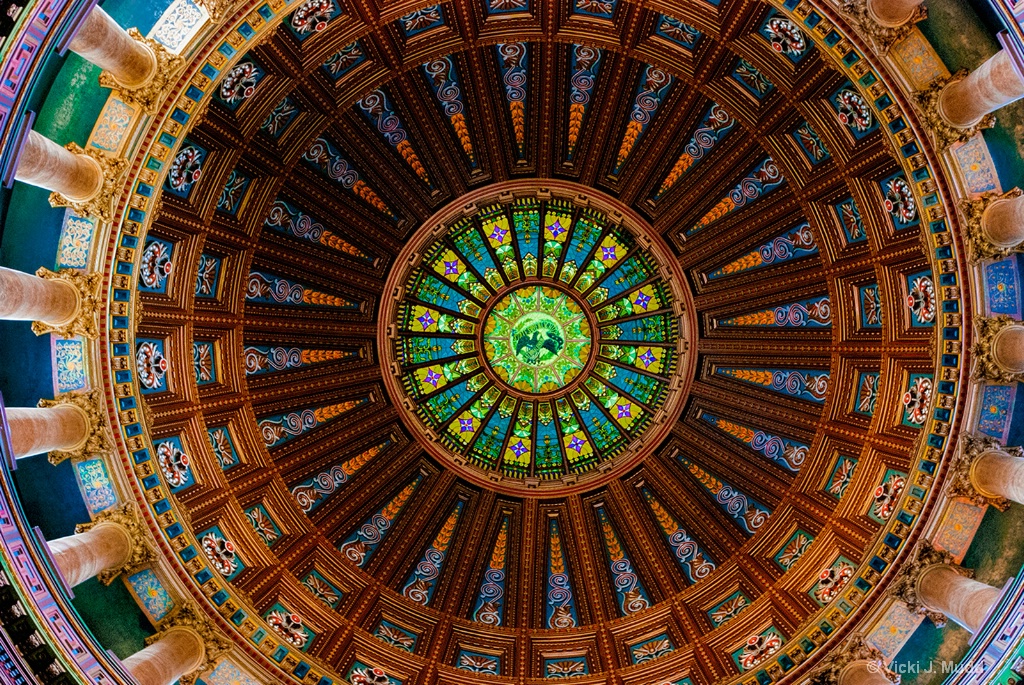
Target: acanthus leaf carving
(97, 439)
(142, 550)
(978, 243)
(904, 585)
(148, 95)
(986, 368)
(102, 205)
(960, 485)
(945, 133)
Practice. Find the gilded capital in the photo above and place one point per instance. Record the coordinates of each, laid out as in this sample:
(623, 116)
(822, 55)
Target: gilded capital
(149, 94)
(127, 517)
(945, 133)
(883, 37)
(960, 483)
(904, 586)
(217, 9)
(978, 244)
(102, 205)
(986, 368)
(97, 439)
(854, 649)
(214, 642)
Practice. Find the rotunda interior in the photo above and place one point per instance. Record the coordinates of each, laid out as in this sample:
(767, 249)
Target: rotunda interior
(506, 341)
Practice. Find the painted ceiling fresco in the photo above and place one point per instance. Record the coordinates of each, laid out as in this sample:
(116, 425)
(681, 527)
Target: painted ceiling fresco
(537, 340)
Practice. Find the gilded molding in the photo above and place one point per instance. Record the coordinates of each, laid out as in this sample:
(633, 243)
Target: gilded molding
(960, 484)
(883, 37)
(904, 585)
(97, 439)
(977, 242)
(142, 552)
(945, 133)
(150, 94)
(214, 642)
(854, 649)
(985, 366)
(101, 206)
(217, 8)
(89, 303)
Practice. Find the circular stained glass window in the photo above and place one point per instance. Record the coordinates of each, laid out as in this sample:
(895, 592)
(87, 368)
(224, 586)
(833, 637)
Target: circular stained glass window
(537, 344)
(536, 339)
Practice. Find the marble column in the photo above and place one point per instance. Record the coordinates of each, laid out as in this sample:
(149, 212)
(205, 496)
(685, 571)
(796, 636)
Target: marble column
(26, 297)
(998, 474)
(103, 547)
(966, 601)
(994, 84)
(892, 13)
(104, 43)
(864, 672)
(1003, 222)
(179, 650)
(39, 430)
(44, 164)
(1008, 348)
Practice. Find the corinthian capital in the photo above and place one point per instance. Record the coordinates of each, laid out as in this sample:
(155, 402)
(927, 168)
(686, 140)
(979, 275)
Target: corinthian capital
(127, 517)
(960, 482)
(87, 286)
(854, 649)
(100, 205)
(97, 439)
(986, 362)
(905, 586)
(151, 93)
(214, 642)
(945, 133)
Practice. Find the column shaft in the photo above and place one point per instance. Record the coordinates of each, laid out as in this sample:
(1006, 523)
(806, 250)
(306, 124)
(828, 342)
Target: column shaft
(178, 651)
(45, 164)
(994, 84)
(37, 431)
(1008, 348)
(892, 13)
(25, 297)
(999, 474)
(863, 672)
(104, 43)
(1003, 221)
(964, 600)
(81, 556)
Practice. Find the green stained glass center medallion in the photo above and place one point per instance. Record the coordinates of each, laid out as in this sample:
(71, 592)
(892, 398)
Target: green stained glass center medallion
(537, 339)
(537, 343)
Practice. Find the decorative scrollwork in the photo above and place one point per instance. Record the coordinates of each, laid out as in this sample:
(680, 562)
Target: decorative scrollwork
(102, 205)
(977, 242)
(945, 133)
(168, 66)
(986, 368)
(97, 439)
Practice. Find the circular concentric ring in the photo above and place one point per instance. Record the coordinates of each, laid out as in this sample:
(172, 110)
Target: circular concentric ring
(537, 339)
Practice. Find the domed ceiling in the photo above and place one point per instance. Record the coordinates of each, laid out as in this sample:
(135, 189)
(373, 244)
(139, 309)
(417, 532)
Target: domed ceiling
(538, 340)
